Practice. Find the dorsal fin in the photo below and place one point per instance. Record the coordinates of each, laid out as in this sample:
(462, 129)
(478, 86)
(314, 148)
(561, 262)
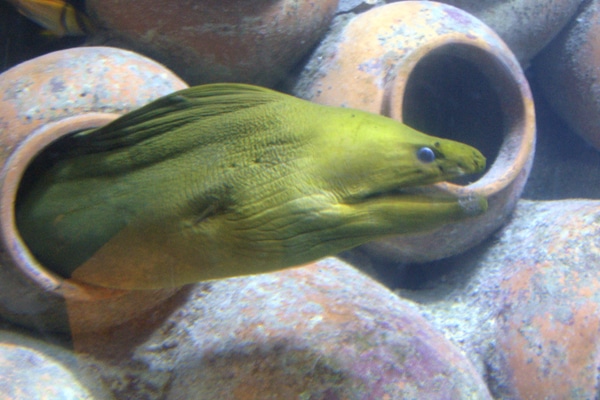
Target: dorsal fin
(168, 113)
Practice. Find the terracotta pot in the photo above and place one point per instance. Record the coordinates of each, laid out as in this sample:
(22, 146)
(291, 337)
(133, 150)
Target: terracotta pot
(568, 73)
(443, 72)
(42, 100)
(216, 40)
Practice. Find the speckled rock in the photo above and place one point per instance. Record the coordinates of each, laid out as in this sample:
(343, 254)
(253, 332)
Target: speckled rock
(549, 327)
(568, 72)
(33, 369)
(323, 331)
(526, 307)
(79, 80)
(525, 25)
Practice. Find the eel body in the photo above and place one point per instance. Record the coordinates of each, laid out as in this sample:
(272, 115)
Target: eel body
(224, 180)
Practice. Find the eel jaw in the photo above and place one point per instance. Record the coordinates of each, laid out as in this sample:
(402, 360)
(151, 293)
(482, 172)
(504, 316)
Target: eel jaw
(471, 204)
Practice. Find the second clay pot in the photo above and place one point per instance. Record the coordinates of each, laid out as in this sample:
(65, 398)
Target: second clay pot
(443, 72)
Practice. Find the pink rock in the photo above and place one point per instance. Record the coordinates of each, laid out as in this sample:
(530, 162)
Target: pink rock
(548, 337)
(323, 331)
(526, 307)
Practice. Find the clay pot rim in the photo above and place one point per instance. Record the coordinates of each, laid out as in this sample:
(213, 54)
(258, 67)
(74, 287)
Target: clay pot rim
(521, 136)
(12, 173)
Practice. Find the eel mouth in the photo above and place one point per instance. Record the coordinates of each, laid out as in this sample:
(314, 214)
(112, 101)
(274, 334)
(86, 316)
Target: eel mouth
(472, 204)
(427, 193)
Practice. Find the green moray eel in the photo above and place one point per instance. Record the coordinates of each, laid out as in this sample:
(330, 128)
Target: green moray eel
(222, 180)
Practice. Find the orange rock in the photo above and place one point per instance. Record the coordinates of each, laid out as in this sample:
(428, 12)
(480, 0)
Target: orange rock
(323, 331)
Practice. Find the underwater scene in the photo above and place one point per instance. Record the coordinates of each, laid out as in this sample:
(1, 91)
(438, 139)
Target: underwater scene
(300, 199)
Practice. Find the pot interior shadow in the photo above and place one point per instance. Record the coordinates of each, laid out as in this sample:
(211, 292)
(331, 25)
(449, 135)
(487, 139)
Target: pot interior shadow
(462, 93)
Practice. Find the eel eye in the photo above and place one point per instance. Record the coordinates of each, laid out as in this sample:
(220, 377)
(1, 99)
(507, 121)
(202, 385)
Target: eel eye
(426, 155)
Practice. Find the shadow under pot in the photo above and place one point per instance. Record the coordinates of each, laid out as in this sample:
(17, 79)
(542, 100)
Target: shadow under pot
(443, 72)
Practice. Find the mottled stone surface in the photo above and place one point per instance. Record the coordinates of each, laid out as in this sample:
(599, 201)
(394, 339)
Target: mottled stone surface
(549, 325)
(568, 71)
(34, 369)
(324, 331)
(525, 307)
(525, 25)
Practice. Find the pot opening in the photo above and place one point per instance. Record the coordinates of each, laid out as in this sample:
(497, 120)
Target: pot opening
(463, 93)
(23, 164)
